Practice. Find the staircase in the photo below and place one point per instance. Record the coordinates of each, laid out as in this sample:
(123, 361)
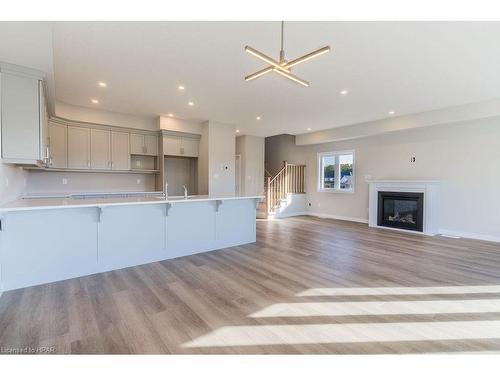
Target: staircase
(289, 180)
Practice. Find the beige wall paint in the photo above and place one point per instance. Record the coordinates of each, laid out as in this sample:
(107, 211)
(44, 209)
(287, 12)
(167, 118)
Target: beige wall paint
(96, 116)
(251, 151)
(221, 158)
(203, 161)
(464, 156)
(178, 125)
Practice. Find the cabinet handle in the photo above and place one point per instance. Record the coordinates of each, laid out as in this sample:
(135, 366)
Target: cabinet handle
(50, 161)
(88, 163)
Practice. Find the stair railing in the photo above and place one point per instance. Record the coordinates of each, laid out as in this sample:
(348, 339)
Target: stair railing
(290, 179)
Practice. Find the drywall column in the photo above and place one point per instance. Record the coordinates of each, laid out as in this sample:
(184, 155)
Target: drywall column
(251, 151)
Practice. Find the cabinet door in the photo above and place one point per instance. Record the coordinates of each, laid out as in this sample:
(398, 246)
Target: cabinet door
(189, 147)
(100, 149)
(58, 150)
(78, 147)
(137, 144)
(20, 118)
(151, 143)
(171, 145)
(120, 151)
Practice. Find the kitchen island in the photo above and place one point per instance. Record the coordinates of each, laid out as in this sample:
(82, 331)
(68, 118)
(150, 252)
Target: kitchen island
(50, 239)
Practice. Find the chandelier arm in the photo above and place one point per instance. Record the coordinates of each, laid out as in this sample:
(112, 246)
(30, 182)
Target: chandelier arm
(266, 58)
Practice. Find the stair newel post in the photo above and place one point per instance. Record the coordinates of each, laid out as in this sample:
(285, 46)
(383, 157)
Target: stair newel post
(268, 195)
(286, 180)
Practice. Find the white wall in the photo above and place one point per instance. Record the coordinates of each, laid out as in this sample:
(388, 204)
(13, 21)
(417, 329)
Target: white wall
(464, 156)
(96, 116)
(251, 151)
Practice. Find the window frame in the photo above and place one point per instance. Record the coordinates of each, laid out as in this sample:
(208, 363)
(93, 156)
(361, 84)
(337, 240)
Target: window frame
(336, 181)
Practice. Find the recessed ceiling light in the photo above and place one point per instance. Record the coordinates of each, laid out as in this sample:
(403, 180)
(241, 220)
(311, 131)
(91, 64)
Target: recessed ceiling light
(308, 129)
(170, 115)
(180, 87)
(190, 104)
(237, 131)
(258, 118)
(391, 112)
(344, 92)
(102, 84)
(95, 101)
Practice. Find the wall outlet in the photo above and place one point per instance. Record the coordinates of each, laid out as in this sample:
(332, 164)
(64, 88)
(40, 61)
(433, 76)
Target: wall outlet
(138, 181)
(412, 159)
(64, 181)
(138, 163)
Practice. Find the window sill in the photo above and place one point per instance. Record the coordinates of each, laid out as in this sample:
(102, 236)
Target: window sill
(336, 191)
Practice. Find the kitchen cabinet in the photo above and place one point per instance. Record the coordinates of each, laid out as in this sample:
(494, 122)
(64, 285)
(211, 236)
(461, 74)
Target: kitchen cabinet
(58, 147)
(171, 145)
(180, 146)
(100, 149)
(190, 147)
(78, 147)
(151, 144)
(141, 144)
(120, 151)
(22, 114)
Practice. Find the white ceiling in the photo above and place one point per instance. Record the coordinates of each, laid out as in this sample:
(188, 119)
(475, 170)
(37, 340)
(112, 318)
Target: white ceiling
(408, 67)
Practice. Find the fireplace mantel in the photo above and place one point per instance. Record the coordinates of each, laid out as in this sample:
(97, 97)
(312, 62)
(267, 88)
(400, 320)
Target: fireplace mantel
(430, 188)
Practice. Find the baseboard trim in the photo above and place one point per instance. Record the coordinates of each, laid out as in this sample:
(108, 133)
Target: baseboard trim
(336, 217)
(473, 236)
(290, 214)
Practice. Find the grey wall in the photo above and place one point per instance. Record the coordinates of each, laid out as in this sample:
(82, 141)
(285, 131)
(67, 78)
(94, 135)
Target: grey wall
(280, 148)
(40, 182)
(464, 156)
(179, 172)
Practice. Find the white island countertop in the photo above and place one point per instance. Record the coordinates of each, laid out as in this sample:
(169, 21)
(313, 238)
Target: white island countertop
(41, 203)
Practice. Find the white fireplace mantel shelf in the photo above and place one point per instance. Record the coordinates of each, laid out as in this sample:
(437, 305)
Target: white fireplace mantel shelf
(430, 189)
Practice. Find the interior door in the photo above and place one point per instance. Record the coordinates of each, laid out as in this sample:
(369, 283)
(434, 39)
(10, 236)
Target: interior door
(100, 149)
(58, 148)
(78, 147)
(120, 151)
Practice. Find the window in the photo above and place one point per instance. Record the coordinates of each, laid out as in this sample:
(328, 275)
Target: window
(336, 171)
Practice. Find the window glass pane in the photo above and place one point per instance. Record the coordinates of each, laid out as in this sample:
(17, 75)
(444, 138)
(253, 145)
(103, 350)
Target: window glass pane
(328, 165)
(345, 162)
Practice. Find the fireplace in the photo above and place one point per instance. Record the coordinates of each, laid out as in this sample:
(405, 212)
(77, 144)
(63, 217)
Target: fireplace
(400, 210)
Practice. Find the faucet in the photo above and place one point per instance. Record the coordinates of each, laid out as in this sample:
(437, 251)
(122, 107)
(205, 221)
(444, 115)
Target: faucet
(185, 192)
(166, 191)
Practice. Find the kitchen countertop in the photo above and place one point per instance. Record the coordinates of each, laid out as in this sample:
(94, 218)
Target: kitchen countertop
(44, 203)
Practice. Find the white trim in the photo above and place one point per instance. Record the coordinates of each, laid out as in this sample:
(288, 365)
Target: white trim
(337, 217)
(469, 235)
(282, 216)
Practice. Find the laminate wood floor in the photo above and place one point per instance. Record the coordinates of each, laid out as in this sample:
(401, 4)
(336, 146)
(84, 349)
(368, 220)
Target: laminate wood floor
(307, 285)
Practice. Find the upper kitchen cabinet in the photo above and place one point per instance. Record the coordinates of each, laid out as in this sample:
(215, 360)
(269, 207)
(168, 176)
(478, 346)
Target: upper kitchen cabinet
(143, 144)
(181, 145)
(58, 146)
(100, 149)
(120, 151)
(78, 147)
(23, 115)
